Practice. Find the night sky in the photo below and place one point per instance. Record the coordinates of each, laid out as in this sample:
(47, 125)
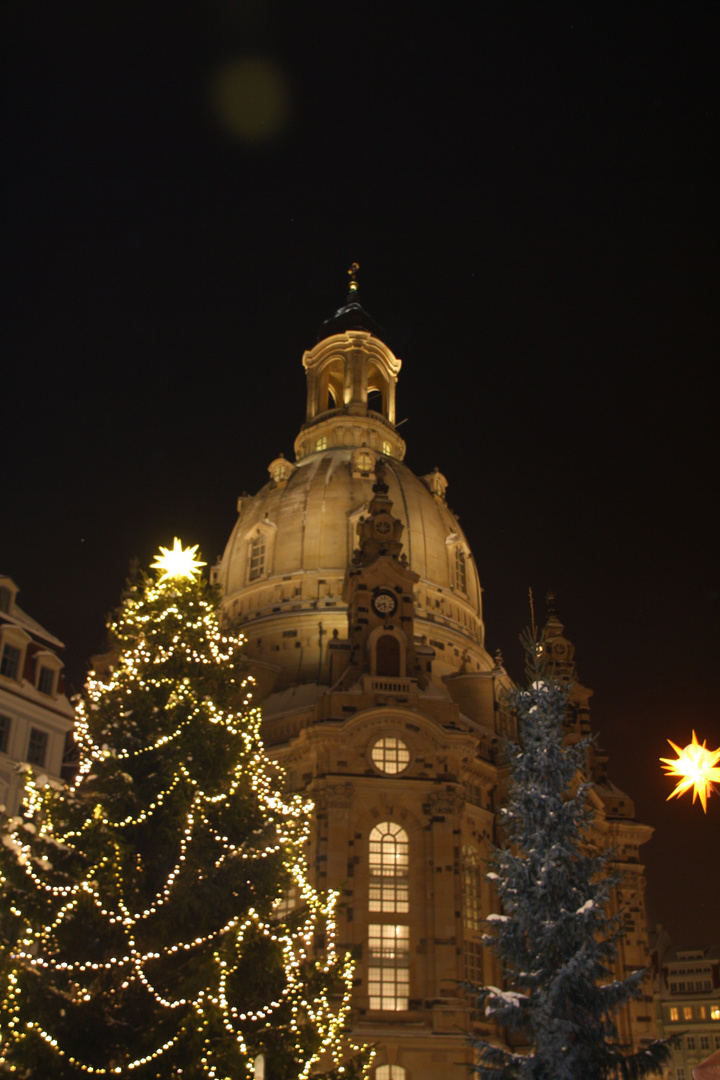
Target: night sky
(531, 192)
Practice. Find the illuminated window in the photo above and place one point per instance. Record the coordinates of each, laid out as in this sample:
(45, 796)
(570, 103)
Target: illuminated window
(4, 733)
(460, 570)
(687, 1012)
(256, 557)
(674, 1013)
(10, 663)
(474, 963)
(702, 1012)
(390, 755)
(388, 861)
(715, 1012)
(386, 449)
(363, 461)
(46, 681)
(37, 747)
(321, 443)
(388, 967)
(389, 1072)
(471, 887)
(286, 903)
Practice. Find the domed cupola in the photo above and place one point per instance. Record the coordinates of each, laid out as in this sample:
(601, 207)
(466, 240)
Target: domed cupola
(283, 568)
(351, 380)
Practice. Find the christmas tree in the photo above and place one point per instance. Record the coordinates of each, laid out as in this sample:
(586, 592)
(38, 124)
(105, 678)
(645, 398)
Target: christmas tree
(555, 939)
(156, 916)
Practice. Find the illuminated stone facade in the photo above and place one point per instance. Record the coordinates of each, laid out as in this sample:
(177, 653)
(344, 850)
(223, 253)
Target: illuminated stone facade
(36, 718)
(360, 599)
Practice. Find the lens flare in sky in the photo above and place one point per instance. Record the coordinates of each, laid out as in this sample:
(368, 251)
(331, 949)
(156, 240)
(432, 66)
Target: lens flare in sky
(696, 767)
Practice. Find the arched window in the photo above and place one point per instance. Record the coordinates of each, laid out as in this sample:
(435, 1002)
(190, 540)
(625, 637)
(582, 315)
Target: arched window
(389, 1072)
(472, 914)
(387, 656)
(388, 860)
(460, 570)
(256, 557)
(388, 943)
(471, 887)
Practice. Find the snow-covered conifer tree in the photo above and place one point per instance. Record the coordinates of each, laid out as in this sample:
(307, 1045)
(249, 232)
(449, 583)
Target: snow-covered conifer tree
(554, 938)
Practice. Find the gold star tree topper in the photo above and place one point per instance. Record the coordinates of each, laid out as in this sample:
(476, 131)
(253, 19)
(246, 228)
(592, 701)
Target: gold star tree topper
(178, 562)
(696, 767)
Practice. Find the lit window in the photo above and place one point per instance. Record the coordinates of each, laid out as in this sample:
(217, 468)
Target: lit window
(10, 663)
(386, 449)
(363, 461)
(687, 1012)
(674, 1013)
(388, 859)
(4, 733)
(46, 681)
(471, 888)
(256, 557)
(715, 1012)
(286, 903)
(460, 570)
(37, 747)
(702, 1012)
(474, 963)
(388, 968)
(390, 755)
(389, 1072)
(321, 443)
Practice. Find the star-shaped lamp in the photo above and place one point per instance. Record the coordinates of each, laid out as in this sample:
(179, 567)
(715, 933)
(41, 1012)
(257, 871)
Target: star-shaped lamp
(178, 562)
(696, 767)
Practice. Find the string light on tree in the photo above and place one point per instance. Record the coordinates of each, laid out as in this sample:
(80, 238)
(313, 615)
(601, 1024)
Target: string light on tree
(144, 907)
(697, 768)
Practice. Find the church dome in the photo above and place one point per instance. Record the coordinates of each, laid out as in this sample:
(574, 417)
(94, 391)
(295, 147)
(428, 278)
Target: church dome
(283, 568)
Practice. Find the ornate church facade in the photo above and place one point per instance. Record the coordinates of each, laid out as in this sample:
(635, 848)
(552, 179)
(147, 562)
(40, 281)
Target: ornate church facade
(361, 603)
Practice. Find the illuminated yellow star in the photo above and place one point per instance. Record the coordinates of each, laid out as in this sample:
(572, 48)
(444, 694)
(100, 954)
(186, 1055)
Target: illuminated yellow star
(179, 562)
(696, 765)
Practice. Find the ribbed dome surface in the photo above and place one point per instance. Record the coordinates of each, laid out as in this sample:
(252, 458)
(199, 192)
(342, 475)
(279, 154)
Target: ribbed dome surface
(313, 518)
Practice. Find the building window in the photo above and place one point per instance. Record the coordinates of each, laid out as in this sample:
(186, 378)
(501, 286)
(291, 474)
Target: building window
(5, 597)
(387, 657)
(687, 1012)
(715, 1012)
(680, 1073)
(388, 968)
(690, 1042)
(4, 733)
(471, 888)
(702, 1012)
(390, 755)
(704, 1042)
(386, 449)
(10, 663)
(388, 860)
(674, 1013)
(389, 1072)
(474, 963)
(717, 1039)
(256, 557)
(460, 570)
(321, 443)
(37, 747)
(46, 681)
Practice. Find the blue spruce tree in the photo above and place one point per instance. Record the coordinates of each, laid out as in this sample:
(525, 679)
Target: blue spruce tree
(555, 939)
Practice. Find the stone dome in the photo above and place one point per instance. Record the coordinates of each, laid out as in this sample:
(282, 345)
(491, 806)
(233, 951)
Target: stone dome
(283, 568)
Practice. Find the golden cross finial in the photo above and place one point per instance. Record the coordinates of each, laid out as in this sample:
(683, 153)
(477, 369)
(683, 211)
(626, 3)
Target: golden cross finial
(354, 267)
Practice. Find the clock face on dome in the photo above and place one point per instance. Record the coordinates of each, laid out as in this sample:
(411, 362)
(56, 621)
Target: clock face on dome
(384, 602)
(383, 527)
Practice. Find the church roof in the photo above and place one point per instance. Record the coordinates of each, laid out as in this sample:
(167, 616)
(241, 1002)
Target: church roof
(352, 316)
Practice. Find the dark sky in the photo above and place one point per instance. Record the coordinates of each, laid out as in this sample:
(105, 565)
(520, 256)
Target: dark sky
(531, 192)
